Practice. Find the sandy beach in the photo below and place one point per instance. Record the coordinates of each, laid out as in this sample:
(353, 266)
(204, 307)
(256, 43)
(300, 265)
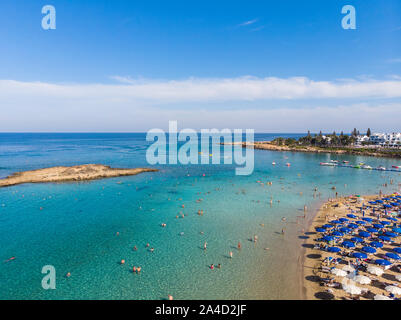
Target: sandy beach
(318, 278)
(75, 173)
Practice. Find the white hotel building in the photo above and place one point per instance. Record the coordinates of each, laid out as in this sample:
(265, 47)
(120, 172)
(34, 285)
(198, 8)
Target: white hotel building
(382, 139)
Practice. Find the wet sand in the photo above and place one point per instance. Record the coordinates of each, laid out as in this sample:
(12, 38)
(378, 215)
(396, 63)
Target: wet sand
(75, 173)
(313, 258)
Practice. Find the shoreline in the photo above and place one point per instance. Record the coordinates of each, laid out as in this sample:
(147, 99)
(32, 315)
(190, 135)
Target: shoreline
(267, 145)
(312, 258)
(86, 172)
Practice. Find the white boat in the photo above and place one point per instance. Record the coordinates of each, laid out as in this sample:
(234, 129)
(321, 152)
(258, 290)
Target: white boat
(273, 163)
(329, 164)
(381, 168)
(366, 167)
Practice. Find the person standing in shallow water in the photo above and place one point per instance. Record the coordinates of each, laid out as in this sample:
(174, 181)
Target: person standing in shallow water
(239, 246)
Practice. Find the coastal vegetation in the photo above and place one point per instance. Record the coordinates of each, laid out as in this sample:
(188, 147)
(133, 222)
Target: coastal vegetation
(329, 143)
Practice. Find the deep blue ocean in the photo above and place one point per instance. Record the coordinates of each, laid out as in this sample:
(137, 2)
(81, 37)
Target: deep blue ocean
(87, 228)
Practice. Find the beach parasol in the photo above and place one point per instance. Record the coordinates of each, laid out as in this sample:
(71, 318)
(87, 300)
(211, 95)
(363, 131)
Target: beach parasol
(362, 279)
(343, 219)
(353, 226)
(345, 230)
(373, 230)
(320, 229)
(359, 255)
(392, 255)
(357, 239)
(334, 249)
(378, 226)
(328, 238)
(398, 230)
(384, 238)
(348, 244)
(381, 297)
(337, 234)
(339, 272)
(327, 226)
(390, 234)
(369, 249)
(336, 222)
(398, 250)
(386, 223)
(367, 219)
(360, 222)
(393, 290)
(352, 289)
(364, 234)
(352, 216)
(383, 262)
(376, 244)
(375, 270)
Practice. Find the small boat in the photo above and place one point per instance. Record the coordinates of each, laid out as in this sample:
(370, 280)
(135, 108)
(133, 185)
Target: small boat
(273, 163)
(334, 161)
(328, 164)
(396, 167)
(345, 161)
(288, 164)
(366, 167)
(381, 168)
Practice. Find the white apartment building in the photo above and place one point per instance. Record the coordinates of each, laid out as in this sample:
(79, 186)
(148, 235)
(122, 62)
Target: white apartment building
(386, 139)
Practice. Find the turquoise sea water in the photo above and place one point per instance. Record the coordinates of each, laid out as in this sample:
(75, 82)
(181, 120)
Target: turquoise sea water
(76, 230)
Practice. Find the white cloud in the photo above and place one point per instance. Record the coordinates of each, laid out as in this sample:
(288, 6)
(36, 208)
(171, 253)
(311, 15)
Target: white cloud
(247, 23)
(200, 103)
(203, 90)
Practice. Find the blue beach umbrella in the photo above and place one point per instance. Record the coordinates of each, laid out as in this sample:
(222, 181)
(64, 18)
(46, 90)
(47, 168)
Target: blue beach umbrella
(367, 219)
(337, 234)
(376, 244)
(356, 239)
(386, 198)
(392, 219)
(343, 219)
(361, 222)
(333, 249)
(328, 238)
(384, 238)
(348, 244)
(364, 234)
(390, 234)
(369, 249)
(336, 222)
(393, 256)
(345, 230)
(327, 226)
(373, 230)
(398, 250)
(352, 216)
(386, 223)
(372, 202)
(387, 206)
(383, 262)
(359, 255)
(379, 201)
(398, 230)
(353, 226)
(378, 226)
(320, 230)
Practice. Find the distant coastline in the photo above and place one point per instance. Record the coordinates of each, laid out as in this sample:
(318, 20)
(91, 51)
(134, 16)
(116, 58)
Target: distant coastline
(74, 173)
(271, 146)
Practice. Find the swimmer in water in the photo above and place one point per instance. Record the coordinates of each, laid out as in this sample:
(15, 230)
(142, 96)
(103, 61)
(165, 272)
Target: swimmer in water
(239, 246)
(205, 246)
(230, 254)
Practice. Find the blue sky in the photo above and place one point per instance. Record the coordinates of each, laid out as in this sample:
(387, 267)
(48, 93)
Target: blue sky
(126, 48)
